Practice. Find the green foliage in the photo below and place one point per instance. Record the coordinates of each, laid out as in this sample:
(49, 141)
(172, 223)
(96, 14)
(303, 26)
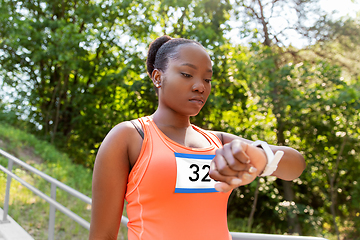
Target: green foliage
(328, 124)
(30, 211)
(78, 68)
(338, 41)
(308, 106)
(59, 55)
(56, 164)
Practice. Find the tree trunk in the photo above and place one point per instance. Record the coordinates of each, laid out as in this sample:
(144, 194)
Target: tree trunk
(267, 41)
(333, 211)
(293, 221)
(253, 207)
(332, 181)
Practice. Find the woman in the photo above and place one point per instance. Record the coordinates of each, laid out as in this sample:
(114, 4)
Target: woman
(166, 168)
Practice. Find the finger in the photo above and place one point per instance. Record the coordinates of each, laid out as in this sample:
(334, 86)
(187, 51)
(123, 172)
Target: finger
(222, 165)
(226, 174)
(257, 156)
(233, 163)
(226, 183)
(252, 169)
(238, 149)
(247, 176)
(234, 181)
(227, 186)
(223, 187)
(215, 174)
(244, 178)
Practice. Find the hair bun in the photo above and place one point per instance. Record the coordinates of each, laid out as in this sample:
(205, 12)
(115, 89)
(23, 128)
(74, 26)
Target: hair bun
(153, 49)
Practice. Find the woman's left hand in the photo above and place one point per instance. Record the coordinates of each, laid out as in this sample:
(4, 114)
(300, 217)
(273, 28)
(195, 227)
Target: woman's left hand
(236, 164)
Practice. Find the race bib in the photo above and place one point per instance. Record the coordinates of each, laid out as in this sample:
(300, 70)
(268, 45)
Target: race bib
(193, 173)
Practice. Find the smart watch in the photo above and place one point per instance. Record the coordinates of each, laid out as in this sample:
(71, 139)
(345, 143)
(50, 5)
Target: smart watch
(272, 159)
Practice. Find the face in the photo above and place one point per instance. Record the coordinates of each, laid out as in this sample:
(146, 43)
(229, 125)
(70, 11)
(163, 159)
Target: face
(186, 83)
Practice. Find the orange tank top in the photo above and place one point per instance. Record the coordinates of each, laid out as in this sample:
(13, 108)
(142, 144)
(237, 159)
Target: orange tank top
(169, 193)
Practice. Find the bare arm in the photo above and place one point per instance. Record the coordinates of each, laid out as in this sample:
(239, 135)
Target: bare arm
(292, 164)
(111, 170)
(239, 163)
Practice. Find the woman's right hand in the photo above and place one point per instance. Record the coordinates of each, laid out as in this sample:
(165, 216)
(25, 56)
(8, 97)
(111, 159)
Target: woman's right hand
(237, 163)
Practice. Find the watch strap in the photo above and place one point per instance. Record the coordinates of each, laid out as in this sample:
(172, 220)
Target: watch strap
(272, 159)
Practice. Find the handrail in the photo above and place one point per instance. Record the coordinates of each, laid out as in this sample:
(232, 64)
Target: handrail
(51, 200)
(60, 207)
(54, 204)
(258, 236)
(59, 184)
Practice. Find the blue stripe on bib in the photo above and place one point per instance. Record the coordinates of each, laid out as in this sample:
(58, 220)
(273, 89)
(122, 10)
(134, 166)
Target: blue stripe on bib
(194, 156)
(195, 190)
(193, 173)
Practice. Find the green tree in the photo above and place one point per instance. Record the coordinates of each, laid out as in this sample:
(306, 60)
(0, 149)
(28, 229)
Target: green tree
(268, 83)
(260, 19)
(337, 41)
(58, 55)
(78, 68)
(327, 118)
(206, 22)
(80, 65)
(308, 93)
(275, 62)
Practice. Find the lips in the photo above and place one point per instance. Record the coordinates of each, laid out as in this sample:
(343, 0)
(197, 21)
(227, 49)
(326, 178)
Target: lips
(197, 100)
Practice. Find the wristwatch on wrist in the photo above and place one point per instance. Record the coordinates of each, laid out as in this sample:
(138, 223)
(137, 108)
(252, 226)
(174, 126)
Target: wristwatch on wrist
(272, 159)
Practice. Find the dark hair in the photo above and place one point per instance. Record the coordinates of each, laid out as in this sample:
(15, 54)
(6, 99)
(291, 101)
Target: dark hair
(163, 48)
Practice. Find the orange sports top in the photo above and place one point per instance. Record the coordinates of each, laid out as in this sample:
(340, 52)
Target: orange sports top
(169, 193)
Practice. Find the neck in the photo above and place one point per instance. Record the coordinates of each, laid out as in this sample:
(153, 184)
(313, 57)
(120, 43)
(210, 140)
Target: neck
(168, 118)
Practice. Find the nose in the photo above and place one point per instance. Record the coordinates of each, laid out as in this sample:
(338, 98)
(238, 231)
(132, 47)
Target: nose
(198, 86)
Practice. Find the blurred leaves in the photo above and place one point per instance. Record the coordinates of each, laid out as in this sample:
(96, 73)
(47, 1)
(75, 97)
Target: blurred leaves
(73, 70)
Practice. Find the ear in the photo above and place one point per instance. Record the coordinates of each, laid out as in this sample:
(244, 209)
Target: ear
(156, 77)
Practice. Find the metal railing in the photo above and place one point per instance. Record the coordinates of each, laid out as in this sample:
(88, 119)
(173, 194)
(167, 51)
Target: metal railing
(51, 200)
(260, 236)
(55, 205)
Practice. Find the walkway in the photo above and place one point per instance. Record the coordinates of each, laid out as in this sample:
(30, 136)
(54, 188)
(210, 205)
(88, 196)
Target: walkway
(12, 230)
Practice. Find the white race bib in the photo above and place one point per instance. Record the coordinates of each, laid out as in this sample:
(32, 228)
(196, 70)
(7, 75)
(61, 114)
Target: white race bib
(193, 173)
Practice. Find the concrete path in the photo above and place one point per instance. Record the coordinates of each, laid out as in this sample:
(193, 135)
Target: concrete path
(12, 230)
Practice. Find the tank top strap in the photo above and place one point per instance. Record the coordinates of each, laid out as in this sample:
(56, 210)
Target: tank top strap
(215, 140)
(152, 130)
(144, 121)
(138, 170)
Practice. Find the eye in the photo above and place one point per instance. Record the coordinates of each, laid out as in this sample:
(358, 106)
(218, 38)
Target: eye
(186, 75)
(207, 80)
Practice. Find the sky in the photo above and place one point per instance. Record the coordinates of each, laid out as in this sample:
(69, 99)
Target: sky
(338, 9)
(343, 7)
(335, 8)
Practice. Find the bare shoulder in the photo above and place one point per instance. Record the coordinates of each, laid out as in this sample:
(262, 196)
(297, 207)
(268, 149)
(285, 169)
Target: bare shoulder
(110, 175)
(123, 142)
(117, 137)
(122, 132)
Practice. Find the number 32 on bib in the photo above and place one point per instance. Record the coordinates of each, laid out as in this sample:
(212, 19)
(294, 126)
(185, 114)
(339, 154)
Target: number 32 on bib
(193, 173)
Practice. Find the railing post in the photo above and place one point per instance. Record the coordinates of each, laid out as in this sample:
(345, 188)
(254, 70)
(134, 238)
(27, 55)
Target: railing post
(52, 213)
(7, 194)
